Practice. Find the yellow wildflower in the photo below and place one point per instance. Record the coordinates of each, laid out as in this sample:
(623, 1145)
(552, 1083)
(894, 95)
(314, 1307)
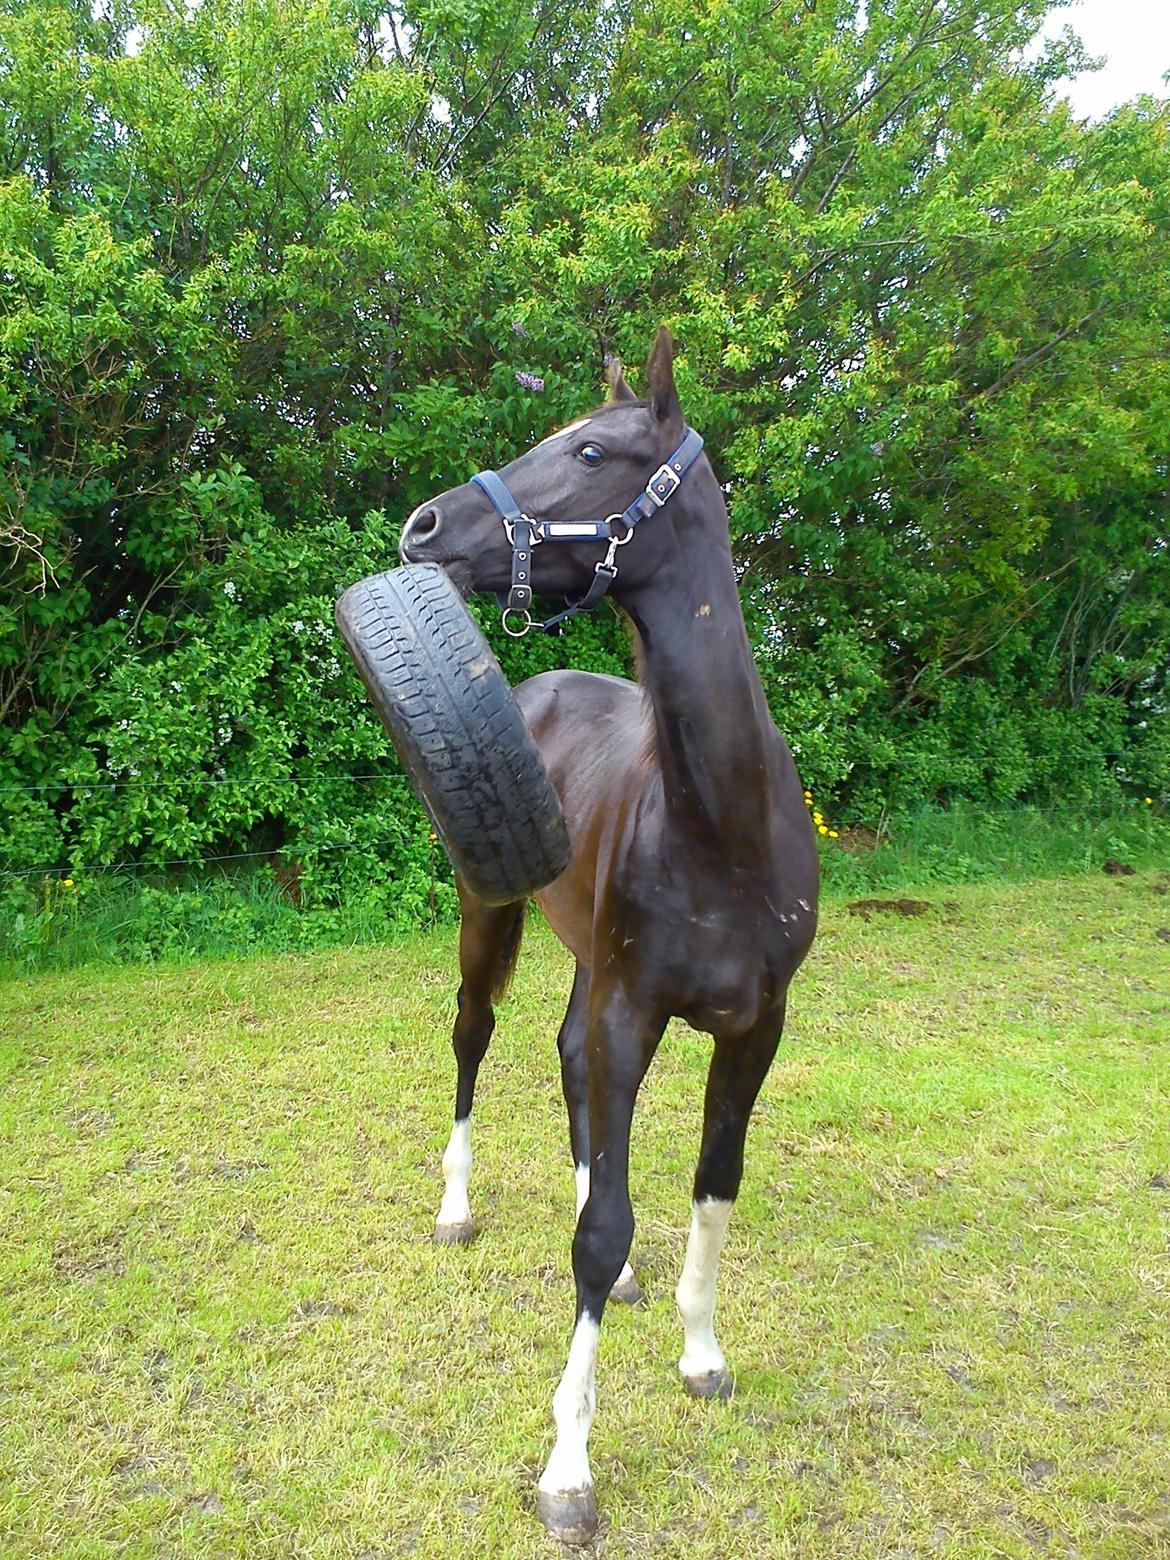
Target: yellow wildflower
(1149, 801)
(834, 834)
(821, 829)
(68, 883)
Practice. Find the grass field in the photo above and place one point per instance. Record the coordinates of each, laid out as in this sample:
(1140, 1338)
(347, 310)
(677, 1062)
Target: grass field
(224, 1330)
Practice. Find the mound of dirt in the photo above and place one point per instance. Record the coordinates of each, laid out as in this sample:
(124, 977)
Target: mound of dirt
(868, 907)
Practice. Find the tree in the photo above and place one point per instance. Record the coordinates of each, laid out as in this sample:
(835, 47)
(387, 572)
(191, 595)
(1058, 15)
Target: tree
(270, 272)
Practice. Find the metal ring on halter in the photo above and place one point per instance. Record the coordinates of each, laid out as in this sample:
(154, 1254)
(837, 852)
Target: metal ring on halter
(515, 633)
(618, 541)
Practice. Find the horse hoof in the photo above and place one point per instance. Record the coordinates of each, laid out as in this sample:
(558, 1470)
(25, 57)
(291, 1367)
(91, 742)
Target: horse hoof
(627, 1291)
(711, 1384)
(454, 1234)
(570, 1515)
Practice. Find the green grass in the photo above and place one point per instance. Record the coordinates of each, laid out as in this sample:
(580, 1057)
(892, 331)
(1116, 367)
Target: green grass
(221, 912)
(224, 1330)
(966, 843)
(125, 918)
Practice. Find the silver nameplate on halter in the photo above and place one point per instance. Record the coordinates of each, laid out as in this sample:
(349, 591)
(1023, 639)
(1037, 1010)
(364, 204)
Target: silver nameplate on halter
(569, 530)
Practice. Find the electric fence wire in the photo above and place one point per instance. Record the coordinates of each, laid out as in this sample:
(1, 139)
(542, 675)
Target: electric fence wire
(181, 785)
(103, 868)
(190, 861)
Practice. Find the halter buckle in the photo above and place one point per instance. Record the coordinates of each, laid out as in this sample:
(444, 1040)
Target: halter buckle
(510, 526)
(663, 484)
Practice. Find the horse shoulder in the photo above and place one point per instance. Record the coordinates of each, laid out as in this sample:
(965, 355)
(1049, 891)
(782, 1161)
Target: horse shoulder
(592, 732)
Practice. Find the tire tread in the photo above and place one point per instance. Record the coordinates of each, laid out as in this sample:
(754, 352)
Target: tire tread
(458, 730)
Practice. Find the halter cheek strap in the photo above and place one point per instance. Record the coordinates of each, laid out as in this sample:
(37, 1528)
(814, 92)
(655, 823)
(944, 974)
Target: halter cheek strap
(520, 531)
(525, 533)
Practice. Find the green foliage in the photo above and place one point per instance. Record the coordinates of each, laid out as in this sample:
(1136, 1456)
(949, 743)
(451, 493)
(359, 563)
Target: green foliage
(268, 275)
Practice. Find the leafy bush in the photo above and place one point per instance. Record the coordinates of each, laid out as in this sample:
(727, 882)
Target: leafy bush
(269, 276)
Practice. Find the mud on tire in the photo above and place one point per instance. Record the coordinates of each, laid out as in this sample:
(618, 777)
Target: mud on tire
(457, 729)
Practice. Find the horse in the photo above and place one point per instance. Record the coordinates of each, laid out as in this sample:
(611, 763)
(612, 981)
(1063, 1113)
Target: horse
(691, 890)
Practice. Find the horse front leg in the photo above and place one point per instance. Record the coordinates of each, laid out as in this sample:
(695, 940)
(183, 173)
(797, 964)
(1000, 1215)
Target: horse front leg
(571, 1042)
(737, 1070)
(489, 941)
(620, 1041)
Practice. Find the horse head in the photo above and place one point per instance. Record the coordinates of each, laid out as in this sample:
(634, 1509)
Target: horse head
(586, 472)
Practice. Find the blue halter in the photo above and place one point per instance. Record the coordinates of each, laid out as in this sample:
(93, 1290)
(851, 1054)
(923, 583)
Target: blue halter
(525, 533)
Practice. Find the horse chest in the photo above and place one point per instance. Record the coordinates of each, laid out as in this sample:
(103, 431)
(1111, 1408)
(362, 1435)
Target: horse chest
(720, 968)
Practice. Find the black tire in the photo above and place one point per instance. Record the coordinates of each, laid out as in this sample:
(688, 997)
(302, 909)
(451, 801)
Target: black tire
(457, 729)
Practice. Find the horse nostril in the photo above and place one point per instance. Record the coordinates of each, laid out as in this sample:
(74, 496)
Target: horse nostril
(425, 525)
(422, 527)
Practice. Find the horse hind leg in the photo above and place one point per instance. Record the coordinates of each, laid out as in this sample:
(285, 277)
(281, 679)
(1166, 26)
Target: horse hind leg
(737, 1070)
(574, 1085)
(489, 944)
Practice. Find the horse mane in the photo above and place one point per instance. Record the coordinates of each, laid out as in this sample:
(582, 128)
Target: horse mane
(617, 406)
(648, 753)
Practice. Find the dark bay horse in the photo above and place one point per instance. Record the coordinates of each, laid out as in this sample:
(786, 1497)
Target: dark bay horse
(692, 887)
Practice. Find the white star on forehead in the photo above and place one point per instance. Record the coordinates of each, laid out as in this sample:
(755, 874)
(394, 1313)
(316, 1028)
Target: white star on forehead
(569, 428)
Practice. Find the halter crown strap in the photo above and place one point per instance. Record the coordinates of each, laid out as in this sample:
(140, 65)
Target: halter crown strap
(666, 480)
(525, 533)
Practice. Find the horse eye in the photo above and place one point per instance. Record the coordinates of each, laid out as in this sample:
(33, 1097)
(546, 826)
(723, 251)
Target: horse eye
(591, 454)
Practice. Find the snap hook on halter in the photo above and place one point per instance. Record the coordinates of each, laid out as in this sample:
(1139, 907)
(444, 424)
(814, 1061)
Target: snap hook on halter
(614, 543)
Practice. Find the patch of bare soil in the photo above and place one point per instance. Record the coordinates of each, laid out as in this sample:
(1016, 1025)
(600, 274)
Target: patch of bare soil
(860, 839)
(90, 1258)
(868, 907)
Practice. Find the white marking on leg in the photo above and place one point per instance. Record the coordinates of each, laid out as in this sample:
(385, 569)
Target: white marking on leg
(455, 1208)
(581, 1172)
(695, 1294)
(574, 1403)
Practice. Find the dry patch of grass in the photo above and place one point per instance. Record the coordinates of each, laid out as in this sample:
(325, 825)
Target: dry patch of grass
(224, 1331)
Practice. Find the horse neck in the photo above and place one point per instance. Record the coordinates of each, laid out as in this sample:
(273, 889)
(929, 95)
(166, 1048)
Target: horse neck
(711, 719)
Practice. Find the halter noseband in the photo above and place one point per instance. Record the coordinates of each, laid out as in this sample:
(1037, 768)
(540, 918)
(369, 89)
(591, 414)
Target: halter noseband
(524, 534)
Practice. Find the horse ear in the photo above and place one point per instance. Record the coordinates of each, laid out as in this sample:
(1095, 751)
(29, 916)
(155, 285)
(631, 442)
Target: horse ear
(616, 380)
(660, 373)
